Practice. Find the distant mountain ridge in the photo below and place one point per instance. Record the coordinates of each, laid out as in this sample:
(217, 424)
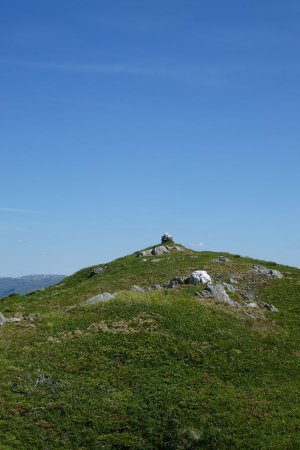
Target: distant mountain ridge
(27, 283)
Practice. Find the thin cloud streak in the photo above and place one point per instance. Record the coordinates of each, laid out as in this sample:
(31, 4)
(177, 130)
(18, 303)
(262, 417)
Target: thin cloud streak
(18, 210)
(200, 74)
(224, 75)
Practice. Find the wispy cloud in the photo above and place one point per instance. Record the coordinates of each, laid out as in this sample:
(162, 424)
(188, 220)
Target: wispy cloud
(19, 210)
(200, 74)
(21, 242)
(13, 210)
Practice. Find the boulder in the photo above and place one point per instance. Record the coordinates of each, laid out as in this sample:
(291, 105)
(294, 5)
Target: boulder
(267, 272)
(199, 277)
(160, 250)
(221, 259)
(99, 298)
(166, 237)
(218, 292)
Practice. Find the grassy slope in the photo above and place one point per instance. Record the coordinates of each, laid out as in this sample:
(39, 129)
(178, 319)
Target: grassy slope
(160, 370)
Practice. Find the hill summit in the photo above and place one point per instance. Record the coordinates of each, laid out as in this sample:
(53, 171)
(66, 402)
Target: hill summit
(164, 348)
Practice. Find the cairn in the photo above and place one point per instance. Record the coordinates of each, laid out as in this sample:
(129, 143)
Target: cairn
(167, 238)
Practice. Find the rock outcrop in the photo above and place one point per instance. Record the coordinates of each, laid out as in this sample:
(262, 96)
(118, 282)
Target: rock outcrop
(221, 259)
(160, 250)
(267, 272)
(217, 292)
(95, 271)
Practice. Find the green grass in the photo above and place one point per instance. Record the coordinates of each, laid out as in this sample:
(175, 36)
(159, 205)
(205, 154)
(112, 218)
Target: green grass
(158, 370)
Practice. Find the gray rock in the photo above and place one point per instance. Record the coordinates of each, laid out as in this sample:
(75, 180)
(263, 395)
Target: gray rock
(206, 293)
(136, 288)
(99, 298)
(275, 274)
(248, 296)
(271, 308)
(221, 259)
(229, 287)
(175, 282)
(175, 247)
(218, 292)
(178, 249)
(267, 272)
(160, 250)
(144, 253)
(156, 287)
(2, 319)
(166, 237)
(32, 318)
(233, 281)
(95, 271)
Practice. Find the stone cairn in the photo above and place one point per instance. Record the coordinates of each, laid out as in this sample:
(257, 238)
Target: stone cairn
(167, 238)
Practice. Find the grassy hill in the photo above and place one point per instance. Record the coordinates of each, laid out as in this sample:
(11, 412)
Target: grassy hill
(162, 369)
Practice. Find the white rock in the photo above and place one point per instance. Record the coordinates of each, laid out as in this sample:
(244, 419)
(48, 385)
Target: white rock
(99, 298)
(199, 277)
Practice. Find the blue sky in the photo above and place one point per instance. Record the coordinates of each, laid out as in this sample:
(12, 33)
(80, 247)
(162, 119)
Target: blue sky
(121, 120)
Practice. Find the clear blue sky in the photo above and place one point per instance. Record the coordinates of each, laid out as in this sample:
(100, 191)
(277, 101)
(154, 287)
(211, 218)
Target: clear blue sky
(123, 119)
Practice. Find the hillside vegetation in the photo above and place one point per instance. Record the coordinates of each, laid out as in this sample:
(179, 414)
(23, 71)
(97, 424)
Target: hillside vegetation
(160, 369)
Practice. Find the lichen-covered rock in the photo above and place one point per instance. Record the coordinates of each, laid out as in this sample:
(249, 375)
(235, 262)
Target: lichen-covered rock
(199, 277)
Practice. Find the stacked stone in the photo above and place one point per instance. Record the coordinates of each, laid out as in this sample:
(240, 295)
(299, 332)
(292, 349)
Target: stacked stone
(167, 238)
